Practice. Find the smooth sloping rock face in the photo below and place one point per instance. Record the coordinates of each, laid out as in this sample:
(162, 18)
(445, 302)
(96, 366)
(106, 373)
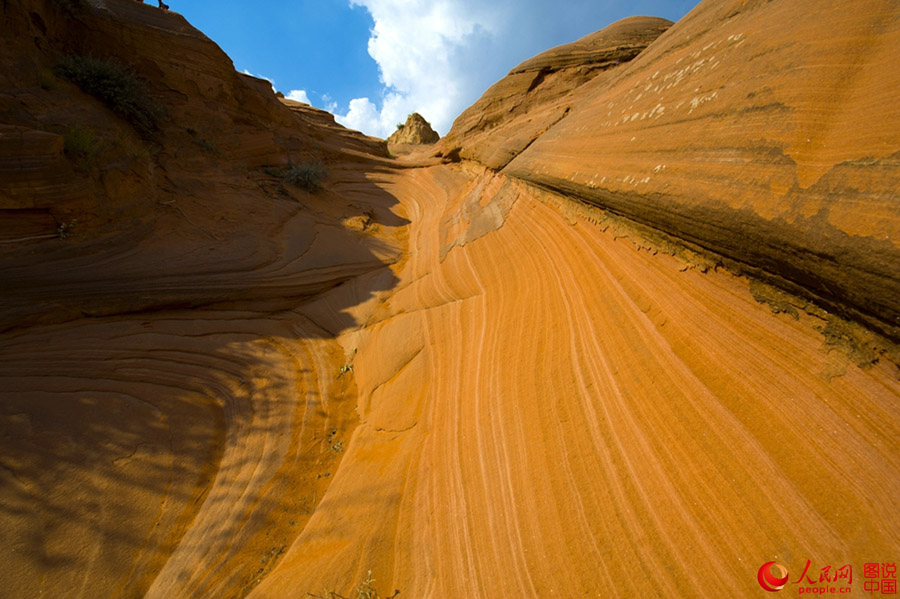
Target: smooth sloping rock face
(149, 211)
(467, 384)
(35, 172)
(543, 406)
(416, 130)
(540, 91)
(768, 139)
(164, 414)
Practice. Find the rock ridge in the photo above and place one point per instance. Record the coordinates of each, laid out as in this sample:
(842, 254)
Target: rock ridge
(415, 131)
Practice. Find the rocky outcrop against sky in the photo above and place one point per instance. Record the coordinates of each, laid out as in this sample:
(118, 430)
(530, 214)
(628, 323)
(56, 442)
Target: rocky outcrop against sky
(632, 333)
(416, 130)
(767, 141)
(539, 92)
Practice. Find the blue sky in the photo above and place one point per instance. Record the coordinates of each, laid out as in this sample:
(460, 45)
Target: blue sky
(371, 62)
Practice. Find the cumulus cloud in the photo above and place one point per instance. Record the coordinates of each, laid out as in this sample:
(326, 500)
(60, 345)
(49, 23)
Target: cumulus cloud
(437, 57)
(423, 49)
(298, 95)
(330, 104)
(362, 116)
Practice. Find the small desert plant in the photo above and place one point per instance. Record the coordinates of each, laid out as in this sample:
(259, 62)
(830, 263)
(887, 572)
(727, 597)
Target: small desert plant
(69, 7)
(133, 150)
(65, 229)
(116, 87)
(82, 146)
(306, 175)
(46, 79)
(365, 590)
(207, 146)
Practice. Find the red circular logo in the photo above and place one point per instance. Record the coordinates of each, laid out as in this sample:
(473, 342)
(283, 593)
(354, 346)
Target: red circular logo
(772, 577)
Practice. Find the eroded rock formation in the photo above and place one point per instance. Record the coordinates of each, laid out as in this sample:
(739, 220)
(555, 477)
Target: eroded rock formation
(539, 92)
(416, 131)
(770, 142)
(519, 375)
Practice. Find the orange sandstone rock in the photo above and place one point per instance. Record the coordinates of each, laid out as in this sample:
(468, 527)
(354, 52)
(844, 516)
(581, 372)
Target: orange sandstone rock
(769, 140)
(416, 130)
(457, 378)
(539, 92)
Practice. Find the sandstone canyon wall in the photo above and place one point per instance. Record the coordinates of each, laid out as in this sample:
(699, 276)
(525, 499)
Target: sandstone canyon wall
(516, 369)
(541, 91)
(763, 136)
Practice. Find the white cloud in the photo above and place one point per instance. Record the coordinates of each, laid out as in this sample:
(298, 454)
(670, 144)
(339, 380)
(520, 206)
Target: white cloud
(423, 49)
(330, 104)
(363, 114)
(298, 95)
(437, 57)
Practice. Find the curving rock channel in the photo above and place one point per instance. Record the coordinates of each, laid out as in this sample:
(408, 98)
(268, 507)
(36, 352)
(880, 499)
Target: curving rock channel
(544, 368)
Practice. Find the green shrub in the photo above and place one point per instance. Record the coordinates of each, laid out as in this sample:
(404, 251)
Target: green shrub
(46, 79)
(306, 175)
(131, 149)
(69, 7)
(207, 146)
(82, 146)
(365, 590)
(114, 86)
(65, 229)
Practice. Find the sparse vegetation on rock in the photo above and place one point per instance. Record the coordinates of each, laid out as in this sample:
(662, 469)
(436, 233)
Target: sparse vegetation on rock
(416, 130)
(46, 79)
(116, 87)
(565, 385)
(82, 146)
(305, 175)
(365, 590)
(65, 229)
(69, 7)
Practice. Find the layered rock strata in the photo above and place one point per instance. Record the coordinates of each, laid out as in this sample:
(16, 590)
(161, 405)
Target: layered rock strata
(453, 380)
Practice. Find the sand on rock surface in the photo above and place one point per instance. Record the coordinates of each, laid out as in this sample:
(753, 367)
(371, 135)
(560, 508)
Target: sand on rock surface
(448, 379)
